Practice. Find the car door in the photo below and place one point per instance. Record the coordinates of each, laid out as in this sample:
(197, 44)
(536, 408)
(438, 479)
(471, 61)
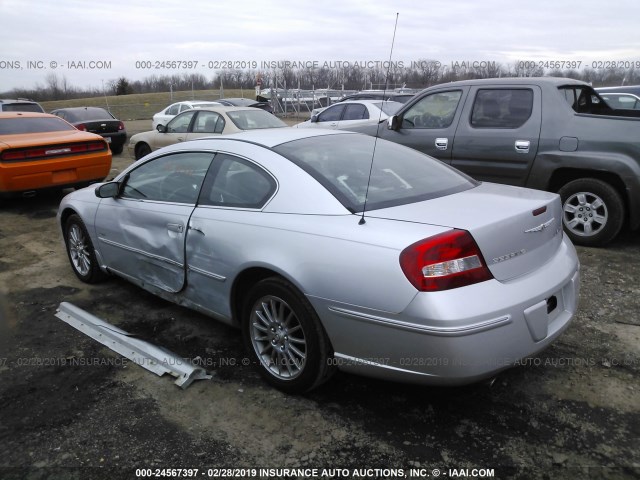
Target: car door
(429, 124)
(176, 131)
(233, 196)
(141, 232)
(497, 140)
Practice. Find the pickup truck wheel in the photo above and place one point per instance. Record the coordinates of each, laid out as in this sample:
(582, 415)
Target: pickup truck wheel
(284, 337)
(593, 211)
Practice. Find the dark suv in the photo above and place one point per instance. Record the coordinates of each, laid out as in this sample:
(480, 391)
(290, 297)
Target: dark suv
(20, 105)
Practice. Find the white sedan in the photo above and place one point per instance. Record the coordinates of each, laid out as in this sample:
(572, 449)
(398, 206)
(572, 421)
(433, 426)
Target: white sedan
(202, 122)
(351, 113)
(163, 117)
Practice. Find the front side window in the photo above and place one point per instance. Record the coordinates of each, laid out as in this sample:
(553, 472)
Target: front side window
(180, 124)
(502, 108)
(433, 111)
(331, 114)
(172, 110)
(237, 183)
(399, 175)
(173, 178)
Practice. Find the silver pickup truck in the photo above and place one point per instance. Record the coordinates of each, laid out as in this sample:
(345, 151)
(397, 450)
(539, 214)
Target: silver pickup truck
(553, 134)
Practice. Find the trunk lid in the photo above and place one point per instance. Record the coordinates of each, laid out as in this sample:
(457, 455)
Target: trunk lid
(516, 229)
(102, 127)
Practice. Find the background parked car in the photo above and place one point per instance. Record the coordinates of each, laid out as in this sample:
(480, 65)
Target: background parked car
(351, 113)
(245, 102)
(20, 105)
(626, 98)
(38, 151)
(202, 122)
(326, 256)
(96, 120)
(163, 117)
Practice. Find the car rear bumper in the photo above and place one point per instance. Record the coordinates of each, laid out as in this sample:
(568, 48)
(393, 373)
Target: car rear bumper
(458, 336)
(16, 177)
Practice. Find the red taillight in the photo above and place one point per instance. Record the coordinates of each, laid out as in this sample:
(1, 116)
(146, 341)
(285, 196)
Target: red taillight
(81, 126)
(445, 261)
(52, 151)
(121, 126)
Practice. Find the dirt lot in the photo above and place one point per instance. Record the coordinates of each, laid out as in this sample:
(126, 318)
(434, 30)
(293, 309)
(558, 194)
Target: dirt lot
(70, 408)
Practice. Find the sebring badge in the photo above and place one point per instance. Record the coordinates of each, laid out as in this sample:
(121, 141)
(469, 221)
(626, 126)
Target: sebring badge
(540, 227)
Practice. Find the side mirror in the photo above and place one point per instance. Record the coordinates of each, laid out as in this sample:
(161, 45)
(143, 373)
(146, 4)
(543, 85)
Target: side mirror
(393, 122)
(161, 128)
(314, 118)
(108, 190)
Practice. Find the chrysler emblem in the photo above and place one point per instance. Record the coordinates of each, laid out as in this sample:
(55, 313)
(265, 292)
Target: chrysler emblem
(540, 227)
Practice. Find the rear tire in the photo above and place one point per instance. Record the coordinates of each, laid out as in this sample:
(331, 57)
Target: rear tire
(284, 337)
(592, 211)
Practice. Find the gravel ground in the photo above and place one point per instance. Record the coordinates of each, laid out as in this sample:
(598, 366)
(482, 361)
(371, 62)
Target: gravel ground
(70, 408)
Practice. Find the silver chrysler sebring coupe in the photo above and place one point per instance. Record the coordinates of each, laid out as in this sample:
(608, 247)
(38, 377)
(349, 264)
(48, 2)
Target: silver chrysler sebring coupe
(334, 250)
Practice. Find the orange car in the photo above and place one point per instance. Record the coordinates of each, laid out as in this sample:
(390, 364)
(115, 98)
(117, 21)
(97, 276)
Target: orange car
(38, 151)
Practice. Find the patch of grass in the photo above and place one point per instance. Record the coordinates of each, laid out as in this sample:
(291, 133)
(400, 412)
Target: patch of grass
(142, 106)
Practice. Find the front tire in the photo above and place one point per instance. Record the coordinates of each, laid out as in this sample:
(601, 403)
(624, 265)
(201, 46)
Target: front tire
(80, 251)
(592, 211)
(284, 337)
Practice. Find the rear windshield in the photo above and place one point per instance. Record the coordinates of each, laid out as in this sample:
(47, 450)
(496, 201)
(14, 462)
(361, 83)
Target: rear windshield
(22, 107)
(254, 119)
(15, 126)
(399, 175)
(86, 114)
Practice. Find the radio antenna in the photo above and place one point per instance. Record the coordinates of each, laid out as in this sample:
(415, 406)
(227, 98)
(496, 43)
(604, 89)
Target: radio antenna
(375, 142)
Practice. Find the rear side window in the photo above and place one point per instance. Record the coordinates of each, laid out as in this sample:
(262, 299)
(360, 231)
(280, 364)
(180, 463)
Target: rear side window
(355, 111)
(237, 183)
(502, 108)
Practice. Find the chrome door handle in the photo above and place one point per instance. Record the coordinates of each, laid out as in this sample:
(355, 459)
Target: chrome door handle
(442, 143)
(522, 146)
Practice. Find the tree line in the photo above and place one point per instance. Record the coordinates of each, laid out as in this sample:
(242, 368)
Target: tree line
(421, 74)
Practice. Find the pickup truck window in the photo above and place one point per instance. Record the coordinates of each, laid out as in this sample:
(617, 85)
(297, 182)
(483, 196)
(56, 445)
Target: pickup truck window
(502, 108)
(433, 111)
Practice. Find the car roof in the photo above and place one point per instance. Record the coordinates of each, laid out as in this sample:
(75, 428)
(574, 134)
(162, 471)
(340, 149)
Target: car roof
(556, 81)
(226, 108)
(272, 137)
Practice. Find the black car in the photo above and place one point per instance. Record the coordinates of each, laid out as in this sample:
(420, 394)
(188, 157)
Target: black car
(96, 120)
(379, 95)
(245, 102)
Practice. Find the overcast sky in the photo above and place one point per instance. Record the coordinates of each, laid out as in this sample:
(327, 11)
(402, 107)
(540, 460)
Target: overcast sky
(40, 37)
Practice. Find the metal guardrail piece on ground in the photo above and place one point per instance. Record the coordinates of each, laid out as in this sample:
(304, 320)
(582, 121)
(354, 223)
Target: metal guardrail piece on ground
(155, 359)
